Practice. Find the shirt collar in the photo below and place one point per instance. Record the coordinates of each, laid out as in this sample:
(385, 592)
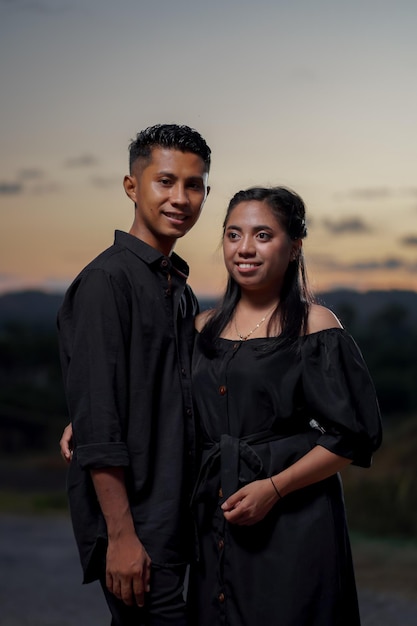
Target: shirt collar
(150, 255)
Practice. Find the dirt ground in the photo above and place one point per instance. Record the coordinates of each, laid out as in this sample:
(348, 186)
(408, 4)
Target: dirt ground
(40, 578)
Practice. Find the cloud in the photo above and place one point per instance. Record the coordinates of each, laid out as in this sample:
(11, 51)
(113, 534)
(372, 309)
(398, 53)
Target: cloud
(104, 182)
(410, 191)
(347, 225)
(41, 189)
(409, 240)
(384, 264)
(370, 193)
(40, 7)
(30, 173)
(82, 161)
(34, 185)
(370, 265)
(367, 194)
(10, 188)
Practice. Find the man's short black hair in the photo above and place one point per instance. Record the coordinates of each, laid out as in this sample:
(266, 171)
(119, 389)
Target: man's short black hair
(171, 136)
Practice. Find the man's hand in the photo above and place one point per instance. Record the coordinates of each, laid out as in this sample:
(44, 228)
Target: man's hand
(66, 443)
(128, 565)
(250, 504)
(128, 569)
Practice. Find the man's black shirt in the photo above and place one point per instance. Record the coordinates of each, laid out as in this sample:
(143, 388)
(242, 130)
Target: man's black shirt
(126, 331)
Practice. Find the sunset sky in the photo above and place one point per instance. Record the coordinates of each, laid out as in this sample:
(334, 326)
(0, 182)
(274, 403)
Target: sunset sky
(317, 96)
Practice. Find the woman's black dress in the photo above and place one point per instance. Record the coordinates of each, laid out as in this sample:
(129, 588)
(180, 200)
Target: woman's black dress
(293, 568)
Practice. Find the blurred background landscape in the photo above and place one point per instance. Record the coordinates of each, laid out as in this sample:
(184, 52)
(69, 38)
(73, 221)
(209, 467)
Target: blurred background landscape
(381, 502)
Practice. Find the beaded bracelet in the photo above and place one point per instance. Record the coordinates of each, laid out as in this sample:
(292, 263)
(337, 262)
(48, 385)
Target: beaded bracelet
(275, 487)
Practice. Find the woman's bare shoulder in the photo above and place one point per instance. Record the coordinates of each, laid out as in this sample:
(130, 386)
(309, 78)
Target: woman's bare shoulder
(202, 319)
(321, 318)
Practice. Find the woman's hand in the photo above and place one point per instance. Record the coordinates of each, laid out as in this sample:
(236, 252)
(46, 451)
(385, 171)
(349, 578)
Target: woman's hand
(250, 504)
(65, 443)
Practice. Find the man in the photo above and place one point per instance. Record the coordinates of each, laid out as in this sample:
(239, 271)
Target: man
(126, 329)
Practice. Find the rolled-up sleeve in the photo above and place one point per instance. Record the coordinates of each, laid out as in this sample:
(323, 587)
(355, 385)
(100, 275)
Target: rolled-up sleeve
(339, 390)
(94, 328)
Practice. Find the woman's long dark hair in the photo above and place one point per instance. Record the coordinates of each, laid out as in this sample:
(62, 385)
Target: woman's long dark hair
(296, 297)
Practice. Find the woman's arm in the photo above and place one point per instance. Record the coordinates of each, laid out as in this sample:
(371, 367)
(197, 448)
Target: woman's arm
(66, 443)
(250, 504)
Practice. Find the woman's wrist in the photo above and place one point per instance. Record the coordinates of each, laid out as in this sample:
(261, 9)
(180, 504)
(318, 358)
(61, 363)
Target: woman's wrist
(277, 491)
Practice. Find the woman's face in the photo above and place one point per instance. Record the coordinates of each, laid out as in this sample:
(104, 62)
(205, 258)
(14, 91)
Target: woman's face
(257, 250)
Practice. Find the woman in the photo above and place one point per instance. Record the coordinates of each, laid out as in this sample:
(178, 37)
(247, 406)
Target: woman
(284, 401)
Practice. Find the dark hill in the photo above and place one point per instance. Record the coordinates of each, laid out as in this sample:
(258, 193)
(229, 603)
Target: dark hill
(367, 304)
(37, 308)
(354, 306)
(34, 308)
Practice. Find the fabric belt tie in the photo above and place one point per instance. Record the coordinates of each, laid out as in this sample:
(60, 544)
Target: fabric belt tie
(238, 462)
(232, 462)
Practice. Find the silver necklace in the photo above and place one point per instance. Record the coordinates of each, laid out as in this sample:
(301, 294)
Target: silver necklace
(244, 337)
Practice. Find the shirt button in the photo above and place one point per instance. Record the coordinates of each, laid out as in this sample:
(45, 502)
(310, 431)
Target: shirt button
(220, 544)
(189, 411)
(235, 346)
(221, 597)
(222, 390)
(168, 292)
(164, 263)
(183, 371)
(220, 493)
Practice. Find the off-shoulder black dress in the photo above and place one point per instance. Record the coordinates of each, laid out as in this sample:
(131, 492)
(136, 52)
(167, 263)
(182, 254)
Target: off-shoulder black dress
(259, 412)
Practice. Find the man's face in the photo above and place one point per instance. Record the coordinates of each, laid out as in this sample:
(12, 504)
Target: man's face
(169, 193)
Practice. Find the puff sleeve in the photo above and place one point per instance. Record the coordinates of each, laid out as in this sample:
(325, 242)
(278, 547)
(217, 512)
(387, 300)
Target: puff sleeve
(341, 396)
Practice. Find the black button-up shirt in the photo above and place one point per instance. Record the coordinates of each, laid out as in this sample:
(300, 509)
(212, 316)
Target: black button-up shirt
(126, 331)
